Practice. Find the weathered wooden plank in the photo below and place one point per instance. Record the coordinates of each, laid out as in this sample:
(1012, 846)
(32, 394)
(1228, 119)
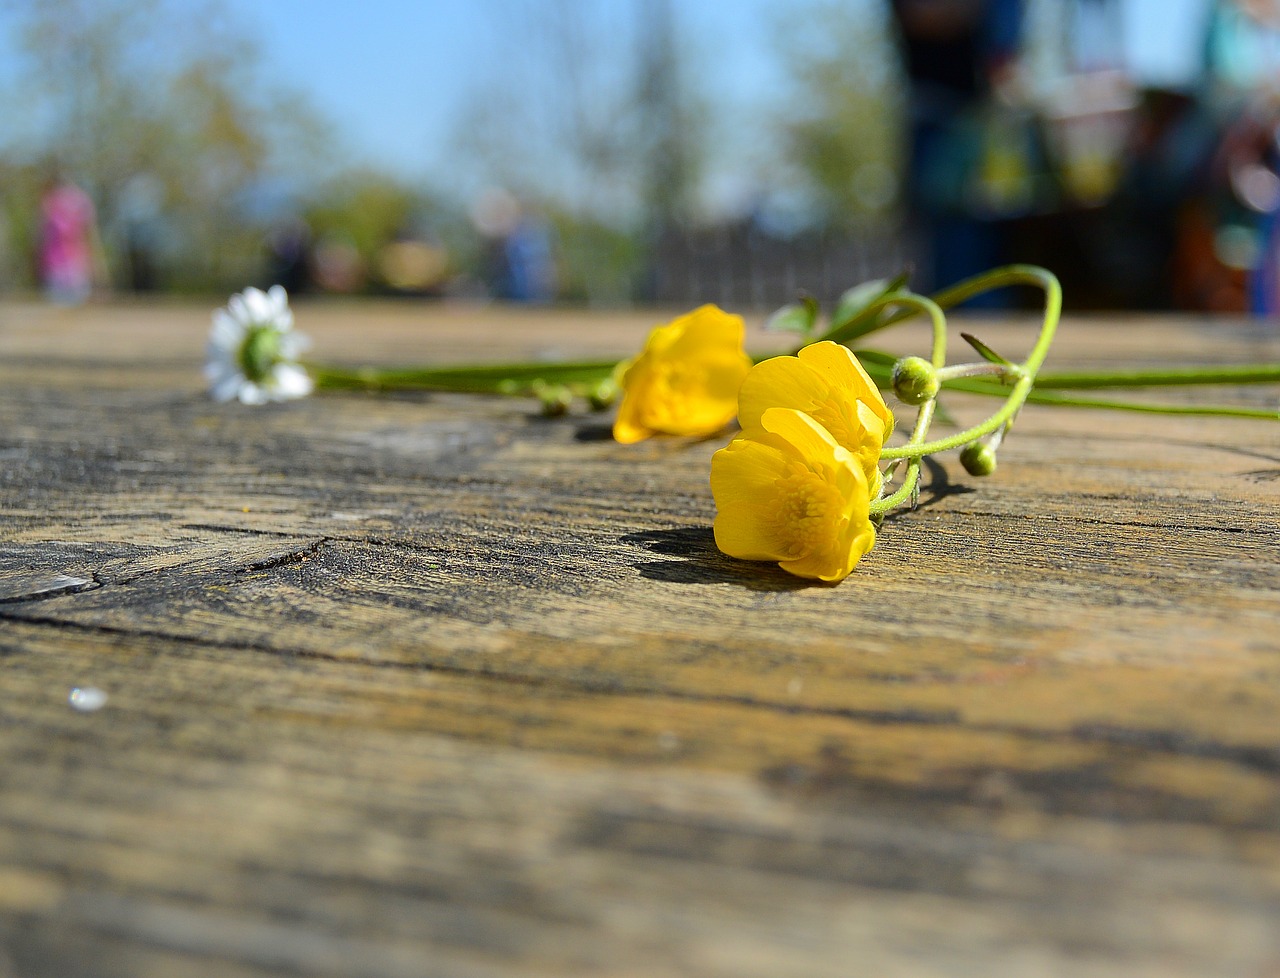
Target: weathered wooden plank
(437, 840)
(428, 685)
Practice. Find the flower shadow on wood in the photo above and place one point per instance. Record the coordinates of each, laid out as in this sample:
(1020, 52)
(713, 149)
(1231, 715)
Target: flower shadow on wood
(936, 488)
(695, 559)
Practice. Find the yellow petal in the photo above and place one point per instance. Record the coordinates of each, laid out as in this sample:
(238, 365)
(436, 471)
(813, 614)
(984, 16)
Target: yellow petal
(780, 382)
(627, 432)
(744, 477)
(706, 328)
(686, 380)
(811, 441)
(867, 451)
(629, 426)
(837, 363)
(837, 562)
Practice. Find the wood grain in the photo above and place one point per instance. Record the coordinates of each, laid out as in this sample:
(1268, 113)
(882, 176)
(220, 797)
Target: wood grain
(428, 685)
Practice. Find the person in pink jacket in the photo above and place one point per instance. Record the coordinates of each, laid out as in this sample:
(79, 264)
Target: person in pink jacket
(66, 243)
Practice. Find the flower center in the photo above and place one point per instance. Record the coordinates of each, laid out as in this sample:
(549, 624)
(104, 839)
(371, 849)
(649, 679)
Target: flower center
(680, 385)
(260, 352)
(807, 511)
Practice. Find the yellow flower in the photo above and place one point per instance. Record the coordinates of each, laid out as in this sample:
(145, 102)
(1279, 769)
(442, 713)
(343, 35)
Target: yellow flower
(686, 380)
(786, 491)
(826, 382)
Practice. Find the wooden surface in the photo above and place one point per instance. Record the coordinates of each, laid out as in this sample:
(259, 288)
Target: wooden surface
(429, 686)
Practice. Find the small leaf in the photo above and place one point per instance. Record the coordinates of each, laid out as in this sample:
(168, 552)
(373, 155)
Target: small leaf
(796, 317)
(858, 298)
(857, 313)
(985, 351)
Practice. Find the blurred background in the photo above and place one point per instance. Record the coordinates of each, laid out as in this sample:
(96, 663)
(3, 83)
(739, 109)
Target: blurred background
(616, 152)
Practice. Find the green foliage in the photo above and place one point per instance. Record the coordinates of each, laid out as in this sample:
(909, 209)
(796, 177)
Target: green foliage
(366, 210)
(135, 88)
(19, 224)
(599, 263)
(841, 130)
(366, 207)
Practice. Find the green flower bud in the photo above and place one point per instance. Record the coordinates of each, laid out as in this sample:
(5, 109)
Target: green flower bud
(915, 380)
(555, 400)
(978, 458)
(603, 394)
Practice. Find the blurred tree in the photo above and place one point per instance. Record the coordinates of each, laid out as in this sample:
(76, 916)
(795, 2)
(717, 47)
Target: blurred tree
(842, 128)
(366, 207)
(122, 90)
(591, 119)
(364, 211)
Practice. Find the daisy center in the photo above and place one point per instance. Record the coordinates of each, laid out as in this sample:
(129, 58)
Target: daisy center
(260, 352)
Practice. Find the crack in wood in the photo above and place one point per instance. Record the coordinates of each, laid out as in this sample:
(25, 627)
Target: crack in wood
(22, 587)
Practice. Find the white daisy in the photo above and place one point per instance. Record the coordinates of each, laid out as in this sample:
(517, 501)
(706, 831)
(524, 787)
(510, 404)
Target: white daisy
(253, 350)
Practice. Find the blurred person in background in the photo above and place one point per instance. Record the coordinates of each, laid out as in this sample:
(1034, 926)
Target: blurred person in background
(141, 222)
(1242, 62)
(956, 55)
(68, 242)
(288, 254)
(519, 248)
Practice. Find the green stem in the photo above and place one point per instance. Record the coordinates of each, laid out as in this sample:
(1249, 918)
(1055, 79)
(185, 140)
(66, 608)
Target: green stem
(912, 476)
(998, 278)
(483, 379)
(924, 417)
(1145, 407)
(1040, 396)
(1052, 312)
(916, 304)
(1255, 373)
(867, 320)
(880, 366)
(961, 370)
(1006, 413)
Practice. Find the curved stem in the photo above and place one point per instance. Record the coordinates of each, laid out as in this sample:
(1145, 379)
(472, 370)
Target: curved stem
(962, 370)
(938, 357)
(1018, 396)
(916, 304)
(866, 321)
(998, 278)
(1006, 413)
(903, 492)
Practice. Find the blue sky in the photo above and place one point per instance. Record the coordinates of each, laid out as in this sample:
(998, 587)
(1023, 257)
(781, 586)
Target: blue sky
(396, 77)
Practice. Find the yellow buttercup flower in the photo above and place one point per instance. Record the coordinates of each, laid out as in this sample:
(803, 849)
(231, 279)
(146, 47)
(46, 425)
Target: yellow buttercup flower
(786, 491)
(826, 382)
(686, 380)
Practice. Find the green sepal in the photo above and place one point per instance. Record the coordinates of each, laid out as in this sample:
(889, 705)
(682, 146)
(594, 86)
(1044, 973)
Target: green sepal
(984, 351)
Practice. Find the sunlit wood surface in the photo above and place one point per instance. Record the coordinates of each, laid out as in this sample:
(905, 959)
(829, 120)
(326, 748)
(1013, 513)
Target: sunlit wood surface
(430, 686)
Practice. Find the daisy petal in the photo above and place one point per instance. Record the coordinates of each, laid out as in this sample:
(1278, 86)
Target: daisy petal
(290, 381)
